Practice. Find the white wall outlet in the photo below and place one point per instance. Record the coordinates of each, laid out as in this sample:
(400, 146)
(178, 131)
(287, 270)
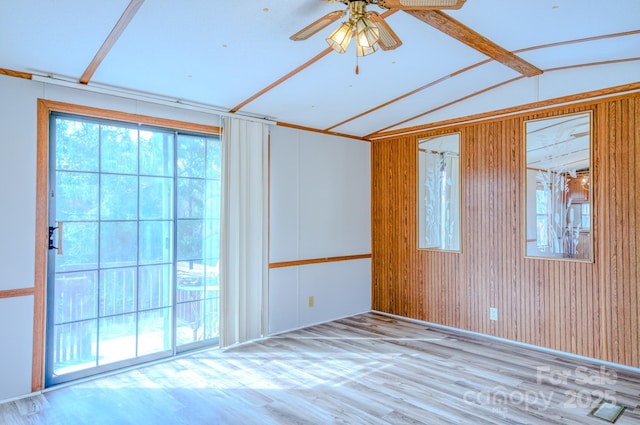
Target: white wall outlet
(311, 301)
(493, 313)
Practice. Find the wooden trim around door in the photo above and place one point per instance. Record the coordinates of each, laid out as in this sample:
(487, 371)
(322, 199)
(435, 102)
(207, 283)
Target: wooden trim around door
(41, 248)
(45, 108)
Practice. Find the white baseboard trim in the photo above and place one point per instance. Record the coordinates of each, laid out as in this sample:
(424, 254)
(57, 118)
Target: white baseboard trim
(21, 397)
(317, 323)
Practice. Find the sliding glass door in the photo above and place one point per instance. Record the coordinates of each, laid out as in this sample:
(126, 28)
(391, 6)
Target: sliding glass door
(134, 243)
(198, 240)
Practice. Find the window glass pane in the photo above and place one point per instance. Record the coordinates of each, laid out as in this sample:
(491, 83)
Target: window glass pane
(156, 242)
(76, 145)
(212, 274)
(214, 159)
(156, 153)
(119, 150)
(118, 244)
(190, 281)
(154, 330)
(191, 156)
(117, 291)
(212, 199)
(117, 338)
(156, 198)
(189, 322)
(118, 197)
(75, 297)
(76, 196)
(191, 197)
(211, 240)
(80, 246)
(211, 315)
(75, 346)
(154, 283)
(189, 240)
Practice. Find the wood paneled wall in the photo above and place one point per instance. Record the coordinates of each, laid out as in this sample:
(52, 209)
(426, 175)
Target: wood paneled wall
(590, 309)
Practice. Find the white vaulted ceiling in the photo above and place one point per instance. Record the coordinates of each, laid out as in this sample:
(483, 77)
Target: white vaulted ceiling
(237, 56)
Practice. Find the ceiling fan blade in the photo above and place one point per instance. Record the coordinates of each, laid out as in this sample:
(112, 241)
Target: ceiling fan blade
(318, 25)
(461, 32)
(421, 4)
(388, 39)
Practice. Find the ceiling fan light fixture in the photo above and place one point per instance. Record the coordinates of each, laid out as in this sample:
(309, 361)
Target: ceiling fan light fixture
(365, 50)
(367, 33)
(339, 39)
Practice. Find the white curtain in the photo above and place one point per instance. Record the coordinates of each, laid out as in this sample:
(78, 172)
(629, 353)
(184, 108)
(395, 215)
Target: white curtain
(243, 231)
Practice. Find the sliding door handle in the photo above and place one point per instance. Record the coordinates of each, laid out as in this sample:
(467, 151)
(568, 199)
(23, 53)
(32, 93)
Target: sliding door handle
(51, 230)
(59, 238)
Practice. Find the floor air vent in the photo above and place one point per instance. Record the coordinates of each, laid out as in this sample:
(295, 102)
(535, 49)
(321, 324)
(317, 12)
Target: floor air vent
(608, 411)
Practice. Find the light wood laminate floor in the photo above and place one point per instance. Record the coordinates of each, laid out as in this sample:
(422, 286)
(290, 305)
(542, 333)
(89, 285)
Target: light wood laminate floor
(366, 369)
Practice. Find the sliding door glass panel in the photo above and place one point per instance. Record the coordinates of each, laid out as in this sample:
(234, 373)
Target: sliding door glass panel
(156, 242)
(198, 208)
(77, 142)
(77, 196)
(154, 330)
(118, 150)
(118, 197)
(118, 293)
(211, 235)
(117, 340)
(74, 346)
(73, 302)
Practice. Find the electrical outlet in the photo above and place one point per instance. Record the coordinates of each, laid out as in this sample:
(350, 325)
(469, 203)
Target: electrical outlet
(493, 313)
(311, 301)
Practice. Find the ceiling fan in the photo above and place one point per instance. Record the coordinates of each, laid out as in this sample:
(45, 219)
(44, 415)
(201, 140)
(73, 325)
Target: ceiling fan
(371, 30)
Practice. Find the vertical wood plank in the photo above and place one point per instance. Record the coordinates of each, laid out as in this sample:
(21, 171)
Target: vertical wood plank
(591, 309)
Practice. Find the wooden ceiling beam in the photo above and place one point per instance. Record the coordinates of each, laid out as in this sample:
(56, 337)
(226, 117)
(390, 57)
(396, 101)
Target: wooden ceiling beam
(461, 32)
(111, 39)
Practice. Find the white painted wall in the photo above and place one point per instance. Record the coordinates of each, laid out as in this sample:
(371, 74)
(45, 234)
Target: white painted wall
(17, 182)
(16, 334)
(17, 215)
(320, 206)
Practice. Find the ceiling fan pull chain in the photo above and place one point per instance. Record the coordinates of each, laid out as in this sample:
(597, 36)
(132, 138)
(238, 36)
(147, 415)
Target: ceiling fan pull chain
(357, 69)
